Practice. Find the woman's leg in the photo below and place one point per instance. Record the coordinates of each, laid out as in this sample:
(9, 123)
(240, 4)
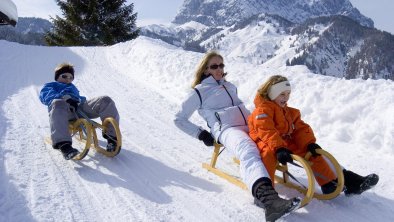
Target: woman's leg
(237, 140)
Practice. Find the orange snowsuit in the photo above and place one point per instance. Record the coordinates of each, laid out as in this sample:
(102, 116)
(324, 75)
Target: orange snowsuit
(272, 127)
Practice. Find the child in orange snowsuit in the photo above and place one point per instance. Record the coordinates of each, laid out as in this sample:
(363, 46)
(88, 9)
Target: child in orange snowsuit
(279, 131)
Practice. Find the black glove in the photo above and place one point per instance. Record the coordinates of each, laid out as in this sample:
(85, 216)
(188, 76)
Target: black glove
(73, 104)
(206, 137)
(312, 148)
(283, 155)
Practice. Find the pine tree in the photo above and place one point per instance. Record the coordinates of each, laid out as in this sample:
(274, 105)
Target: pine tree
(93, 22)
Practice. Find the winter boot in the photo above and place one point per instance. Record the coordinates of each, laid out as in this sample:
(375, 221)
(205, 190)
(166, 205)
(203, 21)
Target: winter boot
(67, 150)
(356, 184)
(111, 142)
(267, 198)
(329, 187)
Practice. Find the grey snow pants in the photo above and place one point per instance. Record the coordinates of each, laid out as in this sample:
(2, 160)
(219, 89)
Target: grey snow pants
(60, 115)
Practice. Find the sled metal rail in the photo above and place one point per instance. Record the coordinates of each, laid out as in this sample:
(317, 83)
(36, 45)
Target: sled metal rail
(308, 191)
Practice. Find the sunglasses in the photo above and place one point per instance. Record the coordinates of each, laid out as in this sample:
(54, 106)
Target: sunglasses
(65, 76)
(215, 66)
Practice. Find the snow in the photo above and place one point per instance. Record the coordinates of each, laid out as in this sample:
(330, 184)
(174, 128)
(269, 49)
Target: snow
(158, 175)
(9, 9)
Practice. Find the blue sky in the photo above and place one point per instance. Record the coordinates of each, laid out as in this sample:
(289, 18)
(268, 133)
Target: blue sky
(160, 11)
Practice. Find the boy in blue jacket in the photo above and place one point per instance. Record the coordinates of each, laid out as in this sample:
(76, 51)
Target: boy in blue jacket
(63, 101)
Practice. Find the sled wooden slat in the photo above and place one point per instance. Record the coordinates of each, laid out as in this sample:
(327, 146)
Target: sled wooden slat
(212, 167)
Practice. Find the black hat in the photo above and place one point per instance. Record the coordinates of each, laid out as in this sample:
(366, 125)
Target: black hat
(64, 68)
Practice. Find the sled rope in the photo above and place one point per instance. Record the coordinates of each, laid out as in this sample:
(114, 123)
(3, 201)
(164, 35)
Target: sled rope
(294, 178)
(81, 125)
(95, 124)
(88, 119)
(222, 150)
(315, 173)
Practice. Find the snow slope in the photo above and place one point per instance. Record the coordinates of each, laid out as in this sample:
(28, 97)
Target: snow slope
(158, 174)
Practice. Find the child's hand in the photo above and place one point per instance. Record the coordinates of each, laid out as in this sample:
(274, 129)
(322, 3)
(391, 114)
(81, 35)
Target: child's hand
(283, 155)
(312, 148)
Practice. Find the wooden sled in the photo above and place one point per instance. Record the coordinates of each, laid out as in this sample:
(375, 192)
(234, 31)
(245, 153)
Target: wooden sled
(308, 191)
(83, 131)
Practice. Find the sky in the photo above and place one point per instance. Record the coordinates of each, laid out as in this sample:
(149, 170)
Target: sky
(158, 12)
(157, 175)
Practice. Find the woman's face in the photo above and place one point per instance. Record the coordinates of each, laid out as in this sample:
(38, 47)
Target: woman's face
(215, 68)
(282, 99)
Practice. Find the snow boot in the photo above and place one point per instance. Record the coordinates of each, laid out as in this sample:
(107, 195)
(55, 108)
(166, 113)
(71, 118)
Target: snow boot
(67, 150)
(329, 187)
(111, 143)
(356, 184)
(267, 198)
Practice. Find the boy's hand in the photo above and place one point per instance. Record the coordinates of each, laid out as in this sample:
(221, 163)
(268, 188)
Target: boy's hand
(73, 104)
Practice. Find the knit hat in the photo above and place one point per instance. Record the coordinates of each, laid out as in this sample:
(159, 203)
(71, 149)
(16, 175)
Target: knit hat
(278, 88)
(64, 68)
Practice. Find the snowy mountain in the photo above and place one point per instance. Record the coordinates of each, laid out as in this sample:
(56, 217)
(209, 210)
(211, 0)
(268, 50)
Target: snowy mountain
(339, 46)
(28, 31)
(158, 175)
(329, 37)
(229, 12)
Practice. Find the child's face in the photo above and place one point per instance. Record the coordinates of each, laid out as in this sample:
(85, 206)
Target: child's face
(66, 78)
(282, 99)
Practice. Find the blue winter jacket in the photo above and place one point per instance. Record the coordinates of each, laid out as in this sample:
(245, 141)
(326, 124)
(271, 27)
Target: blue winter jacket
(56, 90)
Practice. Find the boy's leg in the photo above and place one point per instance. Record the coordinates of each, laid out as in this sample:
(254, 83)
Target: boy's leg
(102, 107)
(59, 115)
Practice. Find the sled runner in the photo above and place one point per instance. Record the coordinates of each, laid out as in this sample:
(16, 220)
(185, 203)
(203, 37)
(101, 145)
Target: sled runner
(286, 178)
(83, 131)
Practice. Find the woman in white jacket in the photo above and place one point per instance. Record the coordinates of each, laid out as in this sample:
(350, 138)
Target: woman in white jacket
(216, 101)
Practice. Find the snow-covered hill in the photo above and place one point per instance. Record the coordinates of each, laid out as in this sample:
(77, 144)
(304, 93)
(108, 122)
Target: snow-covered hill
(158, 174)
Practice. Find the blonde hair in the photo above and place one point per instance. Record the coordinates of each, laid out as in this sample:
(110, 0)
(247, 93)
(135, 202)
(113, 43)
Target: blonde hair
(264, 88)
(203, 66)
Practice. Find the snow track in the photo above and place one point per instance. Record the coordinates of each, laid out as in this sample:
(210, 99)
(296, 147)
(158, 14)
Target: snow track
(158, 175)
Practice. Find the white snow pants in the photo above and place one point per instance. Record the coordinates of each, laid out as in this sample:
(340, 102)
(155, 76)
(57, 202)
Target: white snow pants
(238, 142)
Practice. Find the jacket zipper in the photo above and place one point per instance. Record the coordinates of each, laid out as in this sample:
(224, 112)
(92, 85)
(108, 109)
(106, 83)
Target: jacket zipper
(232, 101)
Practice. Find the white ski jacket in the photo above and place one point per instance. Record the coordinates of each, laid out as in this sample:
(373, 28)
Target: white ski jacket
(218, 103)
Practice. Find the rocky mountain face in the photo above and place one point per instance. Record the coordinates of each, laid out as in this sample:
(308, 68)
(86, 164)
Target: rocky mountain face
(29, 31)
(339, 46)
(229, 12)
(330, 37)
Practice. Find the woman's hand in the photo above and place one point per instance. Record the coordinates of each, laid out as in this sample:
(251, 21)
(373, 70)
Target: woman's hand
(206, 137)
